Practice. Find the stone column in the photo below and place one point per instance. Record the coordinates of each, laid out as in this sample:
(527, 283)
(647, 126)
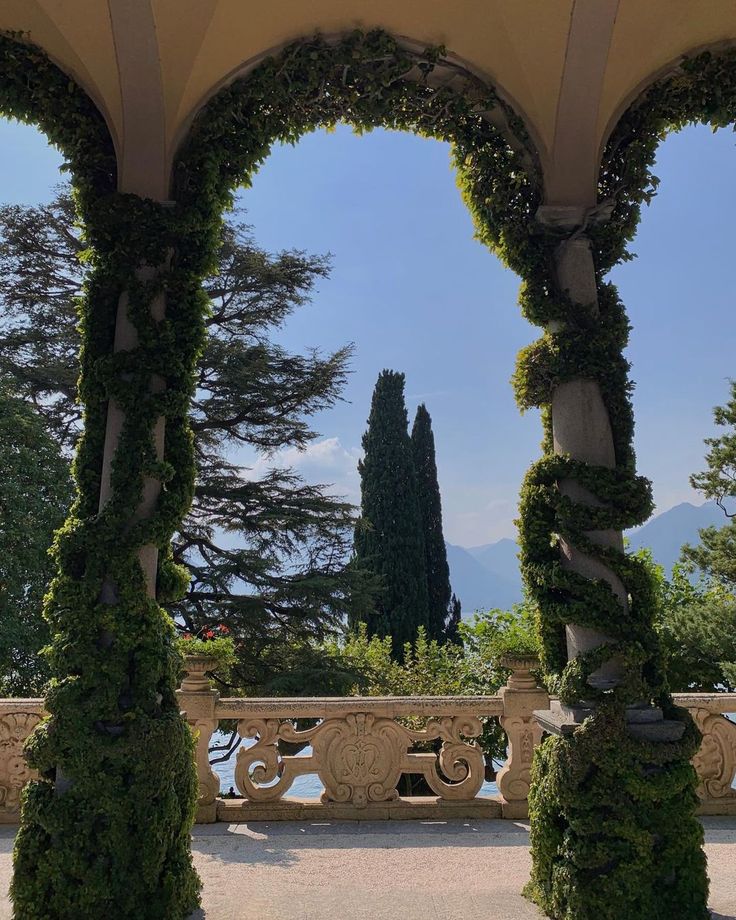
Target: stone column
(126, 338)
(581, 429)
(144, 164)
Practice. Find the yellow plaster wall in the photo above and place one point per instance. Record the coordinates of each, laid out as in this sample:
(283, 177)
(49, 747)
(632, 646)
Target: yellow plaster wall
(77, 35)
(650, 35)
(519, 45)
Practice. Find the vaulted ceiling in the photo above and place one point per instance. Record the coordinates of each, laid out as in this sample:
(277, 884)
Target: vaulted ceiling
(570, 67)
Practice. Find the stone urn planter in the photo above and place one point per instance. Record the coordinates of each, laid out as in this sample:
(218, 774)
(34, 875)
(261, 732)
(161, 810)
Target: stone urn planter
(521, 667)
(197, 667)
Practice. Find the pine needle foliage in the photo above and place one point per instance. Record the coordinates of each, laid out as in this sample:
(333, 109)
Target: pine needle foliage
(266, 553)
(716, 553)
(35, 495)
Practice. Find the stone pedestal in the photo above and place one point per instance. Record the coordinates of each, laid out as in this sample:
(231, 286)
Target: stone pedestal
(521, 697)
(198, 702)
(646, 723)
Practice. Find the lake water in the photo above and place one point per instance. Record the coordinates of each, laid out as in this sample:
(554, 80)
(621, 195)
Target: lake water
(308, 787)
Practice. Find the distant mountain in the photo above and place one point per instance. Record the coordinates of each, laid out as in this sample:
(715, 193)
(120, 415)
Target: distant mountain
(667, 532)
(488, 576)
(500, 558)
(491, 581)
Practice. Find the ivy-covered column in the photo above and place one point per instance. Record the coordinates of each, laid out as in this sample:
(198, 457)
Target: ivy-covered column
(613, 792)
(581, 430)
(105, 830)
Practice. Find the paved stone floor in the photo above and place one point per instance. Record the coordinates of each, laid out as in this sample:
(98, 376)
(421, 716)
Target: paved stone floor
(418, 870)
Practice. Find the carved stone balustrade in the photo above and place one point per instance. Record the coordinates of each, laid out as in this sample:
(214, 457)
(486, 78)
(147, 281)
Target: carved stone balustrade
(359, 748)
(520, 697)
(198, 701)
(715, 762)
(362, 745)
(18, 718)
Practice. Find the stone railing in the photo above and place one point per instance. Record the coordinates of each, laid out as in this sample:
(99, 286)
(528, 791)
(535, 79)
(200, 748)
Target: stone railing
(361, 746)
(17, 719)
(715, 762)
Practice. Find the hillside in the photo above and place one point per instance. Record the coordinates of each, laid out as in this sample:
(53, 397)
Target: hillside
(488, 576)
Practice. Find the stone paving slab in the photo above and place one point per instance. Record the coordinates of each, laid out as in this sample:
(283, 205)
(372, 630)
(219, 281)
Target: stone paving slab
(426, 870)
(423, 870)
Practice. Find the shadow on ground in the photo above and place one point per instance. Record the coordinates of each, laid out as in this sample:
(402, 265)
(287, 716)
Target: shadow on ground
(7, 838)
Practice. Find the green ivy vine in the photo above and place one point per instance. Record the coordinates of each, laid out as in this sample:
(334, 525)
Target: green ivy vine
(613, 828)
(116, 762)
(105, 830)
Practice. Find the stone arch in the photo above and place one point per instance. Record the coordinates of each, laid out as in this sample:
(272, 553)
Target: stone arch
(36, 91)
(424, 90)
(448, 67)
(639, 93)
(697, 87)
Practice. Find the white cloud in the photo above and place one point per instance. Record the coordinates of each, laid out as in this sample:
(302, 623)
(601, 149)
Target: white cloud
(325, 461)
(493, 521)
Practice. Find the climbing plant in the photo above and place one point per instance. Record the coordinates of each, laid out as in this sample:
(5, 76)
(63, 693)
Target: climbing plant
(613, 817)
(590, 858)
(105, 830)
(641, 847)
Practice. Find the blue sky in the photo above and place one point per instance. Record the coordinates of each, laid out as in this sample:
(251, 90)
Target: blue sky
(415, 292)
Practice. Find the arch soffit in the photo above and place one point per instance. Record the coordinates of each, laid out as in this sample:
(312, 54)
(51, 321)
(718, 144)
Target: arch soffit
(82, 52)
(661, 74)
(492, 39)
(451, 62)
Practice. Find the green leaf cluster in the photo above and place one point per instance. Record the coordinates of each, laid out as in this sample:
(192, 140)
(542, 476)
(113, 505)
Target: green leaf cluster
(496, 634)
(117, 781)
(696, 623)
(612, 831)
(35, 494)
(716, 553)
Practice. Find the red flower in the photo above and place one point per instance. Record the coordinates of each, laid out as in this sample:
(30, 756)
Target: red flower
(187, 636)
(209, 634)
(223, 628)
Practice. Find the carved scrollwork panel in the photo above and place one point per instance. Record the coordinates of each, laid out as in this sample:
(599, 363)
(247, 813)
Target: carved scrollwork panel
(514, 778)
(262, 773)
(359, 758)
(209, 781)
(715, 762)
(459, 770)
(15, 727)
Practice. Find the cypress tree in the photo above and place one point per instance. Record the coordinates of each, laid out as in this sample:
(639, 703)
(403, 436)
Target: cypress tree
(430, 509)
(452, 623)
(389, 539)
